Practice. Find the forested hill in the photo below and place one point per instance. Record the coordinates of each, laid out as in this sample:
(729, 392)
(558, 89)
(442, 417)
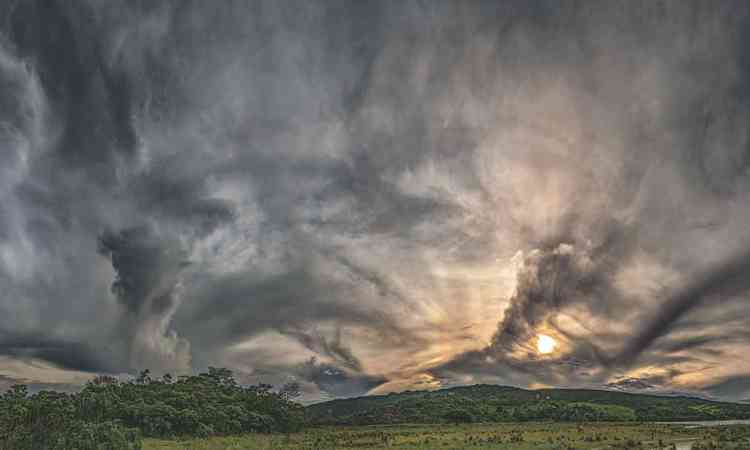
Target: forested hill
(487, 403)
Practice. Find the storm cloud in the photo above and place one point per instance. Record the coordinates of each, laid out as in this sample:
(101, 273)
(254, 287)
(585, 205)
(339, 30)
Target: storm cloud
(372, 196)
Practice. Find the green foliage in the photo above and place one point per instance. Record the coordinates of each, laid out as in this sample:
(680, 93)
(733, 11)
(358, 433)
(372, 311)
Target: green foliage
(51, 421)
(483, 403)
(474, 436)
(736, 437)
(112, 415)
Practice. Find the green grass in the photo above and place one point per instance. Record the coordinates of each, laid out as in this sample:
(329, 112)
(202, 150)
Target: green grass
(510, 436)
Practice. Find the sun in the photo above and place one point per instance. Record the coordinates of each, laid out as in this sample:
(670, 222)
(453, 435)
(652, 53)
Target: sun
(545, 344)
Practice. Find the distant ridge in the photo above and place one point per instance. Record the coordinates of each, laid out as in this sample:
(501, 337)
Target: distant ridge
(493, 403)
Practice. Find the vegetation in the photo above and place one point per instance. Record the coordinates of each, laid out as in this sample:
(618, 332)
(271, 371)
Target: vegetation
(505, 436)
(113, 415)
(486, 403)
(724, 438)
(211, 411)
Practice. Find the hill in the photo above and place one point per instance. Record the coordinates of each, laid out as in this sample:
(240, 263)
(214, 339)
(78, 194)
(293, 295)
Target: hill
(488, 403)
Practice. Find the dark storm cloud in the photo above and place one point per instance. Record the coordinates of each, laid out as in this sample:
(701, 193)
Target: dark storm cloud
(333, 179)
(548, 281)
(736, 387)
(334, 381)
(719, 283)
(536, 297)
(63, 42)
(332, 348)
(142, 263)
(181, 199)
(231, 308)
(237, 306)
(68, 355)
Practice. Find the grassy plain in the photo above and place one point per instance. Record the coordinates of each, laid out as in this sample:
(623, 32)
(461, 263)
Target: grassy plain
(526, 436)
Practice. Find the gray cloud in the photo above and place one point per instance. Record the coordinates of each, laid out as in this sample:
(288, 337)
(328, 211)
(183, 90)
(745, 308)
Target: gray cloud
(737, 387)
(257, 184)
(721, 281)
(68, 355)
(147, 282)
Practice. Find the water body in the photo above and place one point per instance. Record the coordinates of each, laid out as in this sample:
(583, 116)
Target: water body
(688, 445)
(710, 423)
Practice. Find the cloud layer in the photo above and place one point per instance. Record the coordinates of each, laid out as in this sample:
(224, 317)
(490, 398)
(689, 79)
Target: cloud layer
(369, 196)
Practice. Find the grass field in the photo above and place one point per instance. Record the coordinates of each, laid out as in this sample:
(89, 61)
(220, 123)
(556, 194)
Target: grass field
(550, 436)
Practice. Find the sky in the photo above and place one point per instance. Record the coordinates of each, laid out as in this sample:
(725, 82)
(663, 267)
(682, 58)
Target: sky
(367, 197)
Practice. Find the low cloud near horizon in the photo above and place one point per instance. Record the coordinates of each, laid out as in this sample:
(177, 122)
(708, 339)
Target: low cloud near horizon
(367, 197)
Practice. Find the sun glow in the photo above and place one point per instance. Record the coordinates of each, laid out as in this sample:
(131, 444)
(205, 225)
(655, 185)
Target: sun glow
(545, 344)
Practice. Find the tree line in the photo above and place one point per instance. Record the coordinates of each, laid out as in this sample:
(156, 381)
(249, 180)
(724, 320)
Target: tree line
(109, 414)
